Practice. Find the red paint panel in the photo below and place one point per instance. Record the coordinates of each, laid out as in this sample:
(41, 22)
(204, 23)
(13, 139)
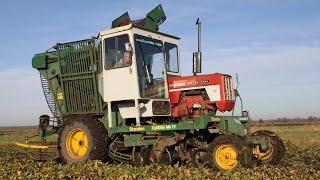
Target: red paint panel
(176, 83)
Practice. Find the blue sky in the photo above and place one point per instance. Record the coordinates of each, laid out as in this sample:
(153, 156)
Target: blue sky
(273, 45)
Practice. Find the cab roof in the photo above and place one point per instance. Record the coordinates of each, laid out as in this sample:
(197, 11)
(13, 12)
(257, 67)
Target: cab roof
(131, 26)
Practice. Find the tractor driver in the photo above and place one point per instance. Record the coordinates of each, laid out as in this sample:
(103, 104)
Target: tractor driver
(124, 61)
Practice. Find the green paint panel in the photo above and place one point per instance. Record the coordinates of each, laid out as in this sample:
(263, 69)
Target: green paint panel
(231, 124)
(43, 60)
(263, 144)
(135, 140)
(154, 18)
(39, 61)
(227, 124)
(236, 93)
(124, 19)
(148, 128)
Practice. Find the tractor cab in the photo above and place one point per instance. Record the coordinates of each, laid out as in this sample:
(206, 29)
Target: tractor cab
(137, 84)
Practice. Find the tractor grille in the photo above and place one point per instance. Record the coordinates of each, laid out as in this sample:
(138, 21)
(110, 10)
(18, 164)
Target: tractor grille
(228, 88)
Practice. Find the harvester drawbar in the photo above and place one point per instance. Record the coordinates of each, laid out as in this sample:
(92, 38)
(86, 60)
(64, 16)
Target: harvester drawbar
(120, 97)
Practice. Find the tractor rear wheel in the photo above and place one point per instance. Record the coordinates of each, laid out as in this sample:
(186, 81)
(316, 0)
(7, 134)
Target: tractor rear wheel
(228, 152)
(82, 138)
(276, 148)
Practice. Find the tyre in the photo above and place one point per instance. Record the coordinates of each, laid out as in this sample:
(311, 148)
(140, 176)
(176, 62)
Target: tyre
(228, 152)
(82, 138)
(276, 148)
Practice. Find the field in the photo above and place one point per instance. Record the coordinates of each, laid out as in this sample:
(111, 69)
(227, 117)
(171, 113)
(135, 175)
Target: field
(301, 161)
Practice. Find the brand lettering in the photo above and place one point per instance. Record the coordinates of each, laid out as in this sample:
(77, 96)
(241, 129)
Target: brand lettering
(164, 127)
(136, 129)
(197, 82)
(215, 119)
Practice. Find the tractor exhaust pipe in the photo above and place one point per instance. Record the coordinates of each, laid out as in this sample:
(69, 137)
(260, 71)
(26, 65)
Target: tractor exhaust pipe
(199, 34)
(197, 55)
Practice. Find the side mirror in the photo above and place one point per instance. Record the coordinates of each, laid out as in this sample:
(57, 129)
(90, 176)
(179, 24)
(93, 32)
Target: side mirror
(128, 47)
(196, 62)
(238, 80)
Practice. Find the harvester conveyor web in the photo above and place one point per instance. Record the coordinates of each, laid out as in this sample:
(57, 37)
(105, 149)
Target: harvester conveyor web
(49, 96)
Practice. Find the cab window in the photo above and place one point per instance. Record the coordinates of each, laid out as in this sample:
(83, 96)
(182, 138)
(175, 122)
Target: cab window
(171, 57)
(114, 51)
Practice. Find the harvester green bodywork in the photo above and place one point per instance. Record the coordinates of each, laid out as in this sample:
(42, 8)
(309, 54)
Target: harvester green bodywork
(219, 124)
(71, 71)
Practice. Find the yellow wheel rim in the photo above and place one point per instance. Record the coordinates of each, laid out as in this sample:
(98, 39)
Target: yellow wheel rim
(226, 157)
(77, 143)
(263, 155)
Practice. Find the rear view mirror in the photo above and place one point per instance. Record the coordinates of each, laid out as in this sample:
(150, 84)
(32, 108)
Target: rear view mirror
(128, 47)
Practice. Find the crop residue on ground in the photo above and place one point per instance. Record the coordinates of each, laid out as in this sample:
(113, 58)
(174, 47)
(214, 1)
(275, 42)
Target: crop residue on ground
(301, 161)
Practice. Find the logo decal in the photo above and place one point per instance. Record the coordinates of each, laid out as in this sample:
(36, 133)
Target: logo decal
(59, 96)
(215, 119)
(197, 82)
(184, 83)
(164, 127)
(134, 129)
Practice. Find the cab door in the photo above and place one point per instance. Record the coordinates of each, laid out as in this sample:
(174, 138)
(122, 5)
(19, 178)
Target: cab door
(119, 81)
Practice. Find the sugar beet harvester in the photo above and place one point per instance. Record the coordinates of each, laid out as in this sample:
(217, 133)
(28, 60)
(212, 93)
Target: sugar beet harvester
(142, 110)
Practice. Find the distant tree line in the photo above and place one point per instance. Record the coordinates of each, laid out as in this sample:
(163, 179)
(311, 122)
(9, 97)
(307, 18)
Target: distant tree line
(287, 121)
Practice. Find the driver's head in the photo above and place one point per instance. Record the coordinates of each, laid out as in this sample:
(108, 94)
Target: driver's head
(127, 57)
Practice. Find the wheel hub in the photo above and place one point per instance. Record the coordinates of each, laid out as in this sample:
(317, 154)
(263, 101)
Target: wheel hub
(77, 143)
(263, 155)
(226, 157)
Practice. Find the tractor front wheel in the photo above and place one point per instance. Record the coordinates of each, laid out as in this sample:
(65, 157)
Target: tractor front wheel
(228, 152)
(82, 138)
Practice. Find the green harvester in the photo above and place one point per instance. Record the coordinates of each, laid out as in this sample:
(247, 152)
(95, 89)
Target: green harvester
(140, 110)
